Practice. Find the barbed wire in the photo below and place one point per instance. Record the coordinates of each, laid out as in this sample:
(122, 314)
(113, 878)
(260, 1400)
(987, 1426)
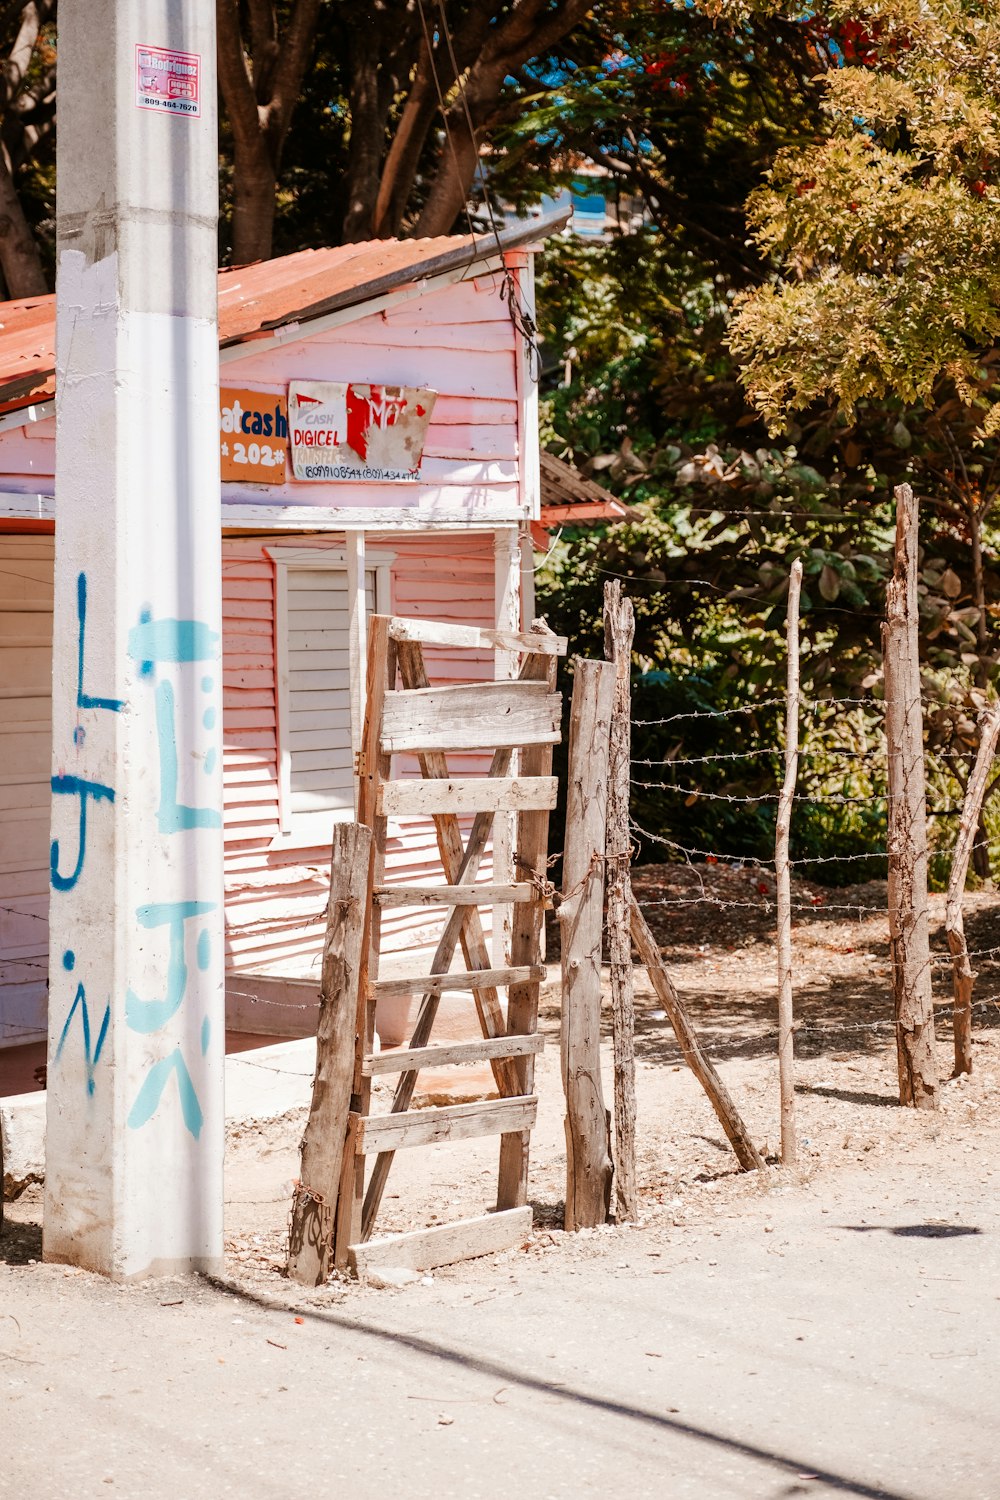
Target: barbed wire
(749, 860)
(830, 799)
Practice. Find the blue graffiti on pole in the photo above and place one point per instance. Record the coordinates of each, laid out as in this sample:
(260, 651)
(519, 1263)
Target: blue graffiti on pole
(147, 1016)
(174, 816)
(91, 1058)
(179, 641)
(78, 786)
(86, 700)
(156, 1080)
(75, 786)
(150, 643)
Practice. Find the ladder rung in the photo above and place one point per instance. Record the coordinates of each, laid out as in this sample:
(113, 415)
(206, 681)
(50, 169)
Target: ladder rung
(453, 895)
(470, 979)
(449, 1122)
(470, 716)
(406, 1059)
(467, 794)
(442, 1245)
(435, 633)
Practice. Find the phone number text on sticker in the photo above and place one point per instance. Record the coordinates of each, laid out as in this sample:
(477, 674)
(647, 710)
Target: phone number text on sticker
(168, 80)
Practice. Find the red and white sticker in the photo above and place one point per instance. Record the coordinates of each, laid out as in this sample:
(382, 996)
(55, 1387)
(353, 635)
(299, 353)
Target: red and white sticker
(168, 80)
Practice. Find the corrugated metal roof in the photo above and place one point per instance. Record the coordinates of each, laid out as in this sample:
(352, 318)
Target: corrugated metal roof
(269, 294)
(568, 497)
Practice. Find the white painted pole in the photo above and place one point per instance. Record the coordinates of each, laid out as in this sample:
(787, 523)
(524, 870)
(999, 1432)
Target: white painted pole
(136, 1023)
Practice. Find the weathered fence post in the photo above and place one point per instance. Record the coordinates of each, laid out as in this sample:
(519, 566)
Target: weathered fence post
(619, 629)
(961, 970)
(314, 1205)
(909, 938)
(588, 1147)
(786, 1042)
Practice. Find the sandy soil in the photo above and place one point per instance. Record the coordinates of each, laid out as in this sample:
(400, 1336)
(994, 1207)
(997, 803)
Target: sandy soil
(828, 1329)
(715, 925)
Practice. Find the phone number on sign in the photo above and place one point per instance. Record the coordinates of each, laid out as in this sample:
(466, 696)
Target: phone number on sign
(345, 471)
(259, 454)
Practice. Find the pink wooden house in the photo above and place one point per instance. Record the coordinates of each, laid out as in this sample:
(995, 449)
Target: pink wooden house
(305, 563)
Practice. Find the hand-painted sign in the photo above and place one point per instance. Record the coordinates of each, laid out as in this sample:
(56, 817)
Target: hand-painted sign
(167, 80)
(253, 435)
(373, 432)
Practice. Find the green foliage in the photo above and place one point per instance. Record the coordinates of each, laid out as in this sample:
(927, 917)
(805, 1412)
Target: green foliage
(887, 230)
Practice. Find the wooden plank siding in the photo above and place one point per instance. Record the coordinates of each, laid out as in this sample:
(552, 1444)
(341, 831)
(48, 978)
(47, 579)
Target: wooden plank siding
(275, 896)
(26, 564)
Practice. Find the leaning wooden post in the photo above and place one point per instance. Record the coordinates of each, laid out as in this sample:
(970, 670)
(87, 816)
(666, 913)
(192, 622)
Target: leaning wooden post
(961, 970)
(314, 1205)
(909, 938)
(588, 1146)
(619, 629)
(730, 1119)
(786, 1043)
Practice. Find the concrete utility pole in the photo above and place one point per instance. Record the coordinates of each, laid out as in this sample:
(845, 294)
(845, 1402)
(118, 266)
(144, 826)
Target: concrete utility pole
(136, 1015)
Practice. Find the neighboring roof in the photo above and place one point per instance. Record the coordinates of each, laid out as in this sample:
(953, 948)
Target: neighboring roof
(255, 299)
(569, 498)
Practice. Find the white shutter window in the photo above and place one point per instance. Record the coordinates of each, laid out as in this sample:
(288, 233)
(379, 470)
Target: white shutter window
(321, 770)
(317, 688)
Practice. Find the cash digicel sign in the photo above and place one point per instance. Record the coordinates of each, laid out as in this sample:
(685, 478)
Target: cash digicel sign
(253, 435)
(357, 431)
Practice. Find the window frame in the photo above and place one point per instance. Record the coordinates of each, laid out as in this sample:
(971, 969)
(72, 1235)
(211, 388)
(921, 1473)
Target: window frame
(356, 560)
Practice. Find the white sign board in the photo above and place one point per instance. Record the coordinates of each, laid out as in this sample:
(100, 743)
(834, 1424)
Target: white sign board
(348, 431)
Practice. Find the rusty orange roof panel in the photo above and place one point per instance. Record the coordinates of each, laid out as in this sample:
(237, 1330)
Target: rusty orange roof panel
(270, 294)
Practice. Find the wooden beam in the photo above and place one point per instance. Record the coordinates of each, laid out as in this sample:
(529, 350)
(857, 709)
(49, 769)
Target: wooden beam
(619, 630)
(402, 1058)
(468, 979)
(581, 923)
(906, 839)
(314, 1203)
(433, 633)
(373, 767)
(747, 1154)
(962, 976)
(452, 895)
(468, 716)
(467, 794)
(531, 848)
(448, 1122)
(424, 1249)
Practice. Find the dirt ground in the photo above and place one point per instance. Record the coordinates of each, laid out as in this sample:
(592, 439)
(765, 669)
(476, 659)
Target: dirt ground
(881, 1250)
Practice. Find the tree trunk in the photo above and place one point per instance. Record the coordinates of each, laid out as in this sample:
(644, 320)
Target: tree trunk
(619, 629)
(403, 157)
(907, 834)
(254, 189)
(367, 138)
(453, 182)
(962, 975)
(260, 85)
(20, 258)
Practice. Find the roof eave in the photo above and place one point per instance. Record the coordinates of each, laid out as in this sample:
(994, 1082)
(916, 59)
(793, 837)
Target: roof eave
(484, 247)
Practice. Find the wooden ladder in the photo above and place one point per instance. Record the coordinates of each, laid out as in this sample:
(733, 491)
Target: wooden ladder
(522, 715)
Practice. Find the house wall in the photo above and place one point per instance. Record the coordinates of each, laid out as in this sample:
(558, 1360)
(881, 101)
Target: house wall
(458, 341)
(25, 754)
(275, 896)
